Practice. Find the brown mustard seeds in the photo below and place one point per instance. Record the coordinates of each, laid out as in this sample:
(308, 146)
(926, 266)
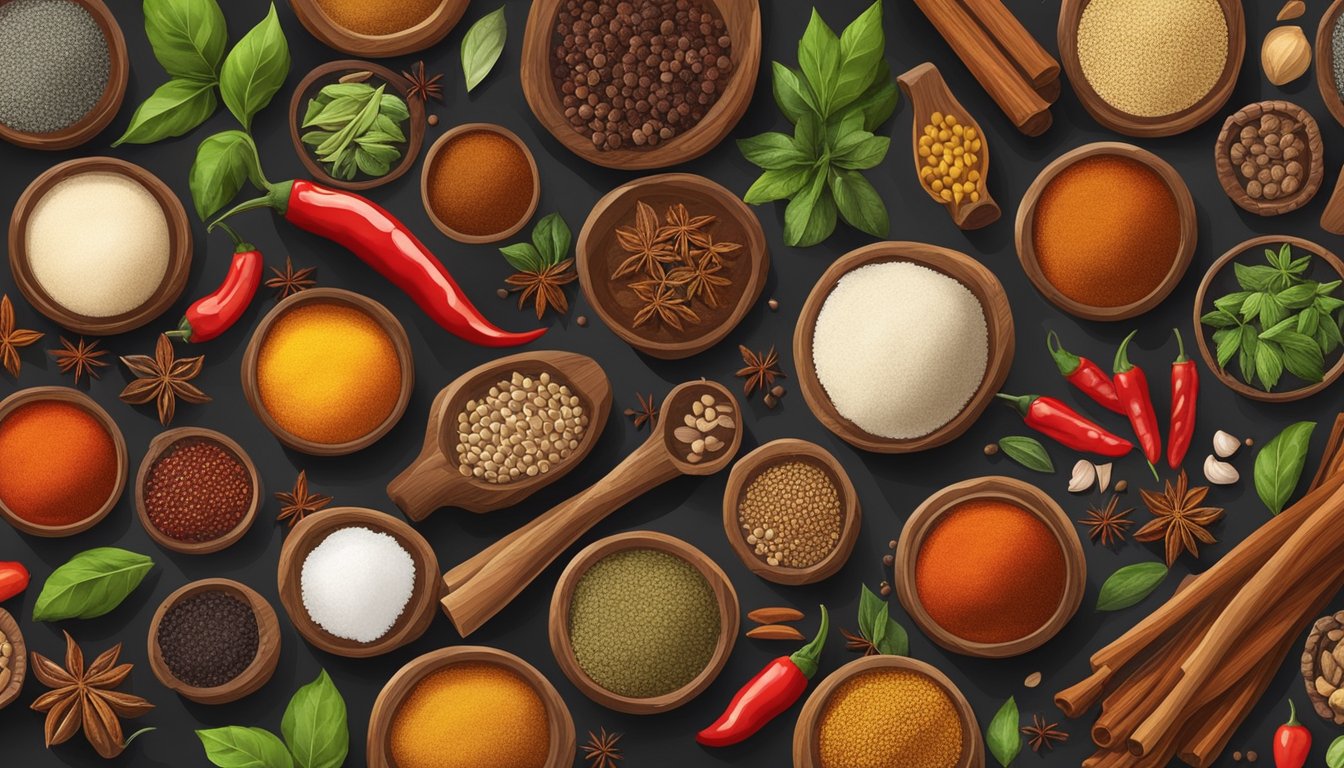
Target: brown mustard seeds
(790, 515)
(524, 426)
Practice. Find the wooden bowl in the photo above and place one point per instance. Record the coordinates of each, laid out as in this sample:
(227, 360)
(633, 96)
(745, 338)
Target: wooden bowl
(977, 278)
(743, 19)
(313, 530)
(374, 310)
(1204, 303)
(432, 155)
(434, 479)
(76, 398)
(179, 248)
(331, 72)
(252, 677)
(118, 72)
(806, 731)
(621, 542)
(18, 659)
(1325, 62)
(1313, 160)
(1026, 219)
(1071, 14)
(417, 38)
(558, 719)
(1005, 489)
(159, 446)
(774, 453)
(598, 254)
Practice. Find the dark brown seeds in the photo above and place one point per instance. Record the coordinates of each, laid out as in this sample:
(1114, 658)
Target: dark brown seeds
(197, 491)
(208, 639)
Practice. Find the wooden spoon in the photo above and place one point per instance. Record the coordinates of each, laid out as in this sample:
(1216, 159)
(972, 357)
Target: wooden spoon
(1332, 218)
(483, 585)
(928, 92)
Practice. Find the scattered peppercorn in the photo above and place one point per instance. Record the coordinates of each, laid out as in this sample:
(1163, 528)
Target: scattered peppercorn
(1122, 486)
(891, 544)
(197, 491)
(1251, 757)
(208, 639)
(888, 560)
(582, 320)
(1249, 442)
(773, 304)
(432, 119)
(502, 293)
(991, 449)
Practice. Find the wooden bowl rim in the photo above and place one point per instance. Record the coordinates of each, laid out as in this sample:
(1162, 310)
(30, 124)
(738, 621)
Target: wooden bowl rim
(70, 396)
(1227, 174)
(1185, 208)
(691, 186)
(379, 314)
(1325, 62)
(423, 35)
(179, 247)
(160, 445)
(983, 284)
(18, 659)
(773, 453)
(561, 599)
(432, 155)
(1020, 494)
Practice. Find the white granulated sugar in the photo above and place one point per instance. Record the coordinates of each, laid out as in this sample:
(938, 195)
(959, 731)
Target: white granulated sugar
(900, 348)
(98, 244)
(356, 583)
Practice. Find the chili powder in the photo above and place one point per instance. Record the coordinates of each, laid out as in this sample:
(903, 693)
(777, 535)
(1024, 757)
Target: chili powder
(197, 491)
(58, 463)
(480, 183)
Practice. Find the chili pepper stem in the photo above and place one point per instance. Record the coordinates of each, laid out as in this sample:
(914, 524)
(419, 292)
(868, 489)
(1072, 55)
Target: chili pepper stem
(1019, 402)
(1180, 347)
(182, 332)
(1066, 361)
(1292, 714)
(808, 658)
(276, 198)
(1153, 469)
(1122, 363)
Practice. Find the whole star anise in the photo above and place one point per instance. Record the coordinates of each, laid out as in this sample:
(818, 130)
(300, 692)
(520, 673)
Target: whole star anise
(759, 370)
(858, 643)
(1107, 525)
(422, 86)
(647, 412)
(544, 287)
(163, 379)
(684, 231)
(662, 301)
(1043, 734)
(601, 750)
(84, 358)
(1179, 519)
(646, 252)
(83, 698)
(11, 338)
(297, 504)
(291, 280)
(701, 280)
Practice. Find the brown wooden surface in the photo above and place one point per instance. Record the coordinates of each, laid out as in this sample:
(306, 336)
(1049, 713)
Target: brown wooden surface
(977, 278)
(160, 445)
(428, 166)
(1038, 67)
(417, 38)
(1026, 219)
(179, 248)
(743, 20)
(18, 660)
(433, 480)
(1332, 218)
(1325, 62)
(724, 595)
(1313, 160)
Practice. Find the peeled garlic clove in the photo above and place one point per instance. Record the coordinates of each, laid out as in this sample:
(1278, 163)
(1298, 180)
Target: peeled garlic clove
(1219, 472)
(1285, 55)
(1084, 475)
(1103, 477)
(1224, 444)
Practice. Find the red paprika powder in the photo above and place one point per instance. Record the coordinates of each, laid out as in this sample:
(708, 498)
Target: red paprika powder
(58, 464)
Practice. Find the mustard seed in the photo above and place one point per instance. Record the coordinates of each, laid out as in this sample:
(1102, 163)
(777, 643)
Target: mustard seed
(790, 515)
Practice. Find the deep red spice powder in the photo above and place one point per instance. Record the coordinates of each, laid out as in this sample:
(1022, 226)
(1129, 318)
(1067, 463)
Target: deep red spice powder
(58, 463)
(197, 491)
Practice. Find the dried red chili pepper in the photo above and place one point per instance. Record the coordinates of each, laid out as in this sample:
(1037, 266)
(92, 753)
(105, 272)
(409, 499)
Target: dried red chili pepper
(13, 579)
(218, 311)
(1066, 426)
(1184, 398)
(1084, 374)
(1131, 384)
(1292, 742)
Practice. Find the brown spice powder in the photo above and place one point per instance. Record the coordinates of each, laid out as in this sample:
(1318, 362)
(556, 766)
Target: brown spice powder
(378, 17)
(480, 183)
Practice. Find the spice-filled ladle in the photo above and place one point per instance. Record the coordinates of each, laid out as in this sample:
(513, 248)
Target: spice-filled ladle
(698, 433)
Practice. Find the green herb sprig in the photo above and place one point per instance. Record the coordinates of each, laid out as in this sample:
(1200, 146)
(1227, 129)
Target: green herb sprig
(1279, 464)
(355, 128)
(90, 584)
(316, 734)
(885, 634)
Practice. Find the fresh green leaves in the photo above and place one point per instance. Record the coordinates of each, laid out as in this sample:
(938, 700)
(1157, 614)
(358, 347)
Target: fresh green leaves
(317, 734)
(1028, 452)
(877, 626)
(1129, 585)
(188, 37)
(1278, 465)
(1003, 738)
(236, 746)
(356, 128)
(90, 584)
(173, 109)
(1334, 756)
(255, 69)
(482, 45)
(223, 162)
(549, 246)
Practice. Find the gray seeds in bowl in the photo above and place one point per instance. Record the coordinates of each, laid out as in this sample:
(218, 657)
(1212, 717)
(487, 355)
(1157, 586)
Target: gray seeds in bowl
(54, 64)
(1337, 54)
(524, 426)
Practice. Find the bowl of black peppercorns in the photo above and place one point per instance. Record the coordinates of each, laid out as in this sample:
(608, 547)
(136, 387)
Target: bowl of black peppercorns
(640, 84)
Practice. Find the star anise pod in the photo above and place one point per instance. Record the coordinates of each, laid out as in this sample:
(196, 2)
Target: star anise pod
(648, 254)
(701, 280)
(716, 251)
(297, 504)
(647, 412)
(858, 643)
(601, 750)
(12, 338)
(662, 300)
(163, 379)
(544, 287)
(84, 358)
(1042, 734)
(1107, 525)
(82, 698)
(422, 86)
(684, 231)
(1179, 519)
(760, 370)
(291, 280)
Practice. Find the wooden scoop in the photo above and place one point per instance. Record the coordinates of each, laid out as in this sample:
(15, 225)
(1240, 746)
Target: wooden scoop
(927, 91)
(483, 585)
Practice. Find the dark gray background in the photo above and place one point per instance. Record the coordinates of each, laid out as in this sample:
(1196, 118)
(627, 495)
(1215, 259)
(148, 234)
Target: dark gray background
(889, 486)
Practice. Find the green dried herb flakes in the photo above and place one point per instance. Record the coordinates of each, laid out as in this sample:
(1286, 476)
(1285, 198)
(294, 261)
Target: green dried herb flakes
(1130, 585)
(1279, 464)
(356, 129)
(1028, 452)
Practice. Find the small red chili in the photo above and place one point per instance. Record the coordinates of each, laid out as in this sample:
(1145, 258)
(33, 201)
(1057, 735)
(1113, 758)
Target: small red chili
(1084, 374)
(768, 694)
(1065, 426)
(13, 579)
(1292, 742)
(1132, 386)
(1184, 397)
(216, 312)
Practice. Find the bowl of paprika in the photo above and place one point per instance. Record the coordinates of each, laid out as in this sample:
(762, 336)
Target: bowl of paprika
(479, 183)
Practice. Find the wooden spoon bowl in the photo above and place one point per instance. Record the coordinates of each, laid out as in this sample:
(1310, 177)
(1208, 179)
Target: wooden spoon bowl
(424, 35)
(161, 445)
(18, 659)
(1325, 61)
(427, 170)
(1313, 159)
(253, 677)
(415, 618)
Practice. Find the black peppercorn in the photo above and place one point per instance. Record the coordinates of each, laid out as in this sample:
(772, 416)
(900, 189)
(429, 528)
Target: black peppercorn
(209, 638)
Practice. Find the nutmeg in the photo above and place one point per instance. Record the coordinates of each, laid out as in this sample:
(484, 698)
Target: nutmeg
(1285, 55)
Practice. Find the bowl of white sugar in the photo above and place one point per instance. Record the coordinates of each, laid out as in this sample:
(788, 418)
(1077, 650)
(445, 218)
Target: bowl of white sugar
(901, 346)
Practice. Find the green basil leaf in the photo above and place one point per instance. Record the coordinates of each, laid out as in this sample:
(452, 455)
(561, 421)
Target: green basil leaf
(1327, 335)
(805, 215)
(773, 151)
(1219, 319)
(1334, 756)
(482, 45)
(878, 102)
(389, 127)
(808, 134)
(1003, 738)
(356, 125)
(188, 37)
(1298, 296)
(861, 46)
(1254, 278)
(523, 257)
(255, 69)
(90, 584)
(1232, 302)
(236, 746)
(1302, 355)
(791, 94)
(1272, 311)
(1329, 304)
(370, 164)
(1283, 326)
(862, 151)
(1250, 344)
(337, 113)
(552, 237)
(894, 641)
(315, 138)
(173, 109)
(819, 58)
(777, 185)
(859, 203)
(223, 162)
(1325, 289)
(1028, 452)
(842, 124)
(871, 609)
(1268, 364)
(315, 727)
(1228, 341)
(1130, 585)
(1307, 321)
(1278, 465)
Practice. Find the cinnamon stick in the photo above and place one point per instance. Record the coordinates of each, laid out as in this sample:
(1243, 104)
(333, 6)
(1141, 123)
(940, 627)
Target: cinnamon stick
(1211, 734)
(1332, 456)
(1038, 67)
(1079, 697)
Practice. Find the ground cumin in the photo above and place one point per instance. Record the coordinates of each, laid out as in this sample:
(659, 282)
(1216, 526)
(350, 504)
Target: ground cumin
(378, 17)
(480, 183)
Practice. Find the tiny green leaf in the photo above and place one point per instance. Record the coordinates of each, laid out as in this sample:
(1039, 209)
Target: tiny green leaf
(523, 257)
(1129, 585)
(859, 203)
(1003, 738)
(819, 58)
(1278, 465)
(1028, 452)
(777, 185)
(773, 151)
(871, 608)
(90, 584)
(482, 46)
(223, 162)
(791, 92)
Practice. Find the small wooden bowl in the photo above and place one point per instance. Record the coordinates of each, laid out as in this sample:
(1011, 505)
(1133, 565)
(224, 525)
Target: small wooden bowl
(977, 278)
(1070, 16)
(1006, 489)
(81, 400)
(18, 659)
(1325, 62)
(774, 453)
(118, 72)
(564, 595)
(179, 248)
(331, 72)
(558, 719)
(743, 20)
(1204, 303)
(251, 678)
(433, 480)
(374, 310)
(432, 155)
(1026, 219)
(312, 531)
(598, 255)
(1230, 176)
(417, 38)
(160, 445)
(807, 729)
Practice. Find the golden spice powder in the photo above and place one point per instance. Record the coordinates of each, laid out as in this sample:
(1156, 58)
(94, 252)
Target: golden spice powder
(887, 717)
(378, 17)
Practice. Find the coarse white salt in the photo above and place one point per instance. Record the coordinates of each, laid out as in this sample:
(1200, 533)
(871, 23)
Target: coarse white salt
(356, 583)
(900, 348)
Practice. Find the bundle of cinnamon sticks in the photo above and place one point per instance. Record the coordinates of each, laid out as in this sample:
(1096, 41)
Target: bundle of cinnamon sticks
(1181, 681)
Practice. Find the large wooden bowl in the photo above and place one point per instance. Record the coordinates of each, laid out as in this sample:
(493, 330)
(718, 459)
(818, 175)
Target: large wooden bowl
(18, 659)
(1313, 160)
(417, 38)
(743, 19)
(977, 278)
(1028, 497)
(426, 171)
(179, 248)
(1325, 62)
(160, 445)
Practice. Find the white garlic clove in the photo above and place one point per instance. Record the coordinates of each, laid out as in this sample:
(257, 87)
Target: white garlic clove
(1219, 472)
(1224, 444)
(1103, 477)
(1084, 476)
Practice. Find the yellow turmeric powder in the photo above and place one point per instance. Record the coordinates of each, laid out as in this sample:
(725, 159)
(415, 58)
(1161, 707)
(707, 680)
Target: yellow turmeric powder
(886, 717)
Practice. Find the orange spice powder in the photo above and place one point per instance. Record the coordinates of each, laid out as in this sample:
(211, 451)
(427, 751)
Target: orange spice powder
(480, 183)
(58, 464)
(1106, 231)
(378, 17)
(990, 572)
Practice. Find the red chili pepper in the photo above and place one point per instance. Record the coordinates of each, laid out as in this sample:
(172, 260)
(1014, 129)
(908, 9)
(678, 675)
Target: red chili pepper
(768, 694)
(1184, 397)
(1065, 426)
(216, 312)
(13, 579)
(1084, 374)
(1292, 742)
(385, 244)
(1132, 386)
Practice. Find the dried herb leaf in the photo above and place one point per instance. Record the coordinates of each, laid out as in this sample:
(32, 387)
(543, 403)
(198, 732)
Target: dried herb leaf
(1279, 464)
(1129, 585)
(1003, 738)
(482, 46)
(1028, 452)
